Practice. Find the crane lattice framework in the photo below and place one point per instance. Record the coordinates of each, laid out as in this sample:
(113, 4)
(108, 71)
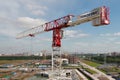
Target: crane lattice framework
(98, 16)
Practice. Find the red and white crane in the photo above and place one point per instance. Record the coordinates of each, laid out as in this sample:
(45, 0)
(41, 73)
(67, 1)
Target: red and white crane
(98, 16)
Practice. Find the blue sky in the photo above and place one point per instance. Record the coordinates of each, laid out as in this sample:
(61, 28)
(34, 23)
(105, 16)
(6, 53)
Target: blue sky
(19, 15)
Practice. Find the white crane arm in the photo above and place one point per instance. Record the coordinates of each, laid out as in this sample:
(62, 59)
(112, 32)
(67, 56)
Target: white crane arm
(99, 16)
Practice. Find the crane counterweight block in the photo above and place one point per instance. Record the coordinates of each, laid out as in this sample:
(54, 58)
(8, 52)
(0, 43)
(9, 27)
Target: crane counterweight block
(103, 19)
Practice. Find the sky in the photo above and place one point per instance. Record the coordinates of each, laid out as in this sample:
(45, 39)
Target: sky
(19, 15)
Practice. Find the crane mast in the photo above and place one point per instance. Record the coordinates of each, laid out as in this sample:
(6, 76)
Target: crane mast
(98, 16)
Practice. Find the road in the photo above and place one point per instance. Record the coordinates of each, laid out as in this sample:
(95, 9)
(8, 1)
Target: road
(99, 75)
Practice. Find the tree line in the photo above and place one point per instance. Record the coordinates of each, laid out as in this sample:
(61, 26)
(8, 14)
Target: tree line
(24, 57)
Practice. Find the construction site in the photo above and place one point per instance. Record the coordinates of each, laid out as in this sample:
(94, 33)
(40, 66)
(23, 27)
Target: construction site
(56, 68)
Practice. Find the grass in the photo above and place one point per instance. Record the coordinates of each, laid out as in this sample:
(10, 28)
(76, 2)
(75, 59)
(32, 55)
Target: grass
(71, 67)
(91, 63)
(12, 61)
(110, 69)
(90, 71)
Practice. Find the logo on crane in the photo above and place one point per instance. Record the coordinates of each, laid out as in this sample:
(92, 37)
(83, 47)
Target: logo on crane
(58, 23)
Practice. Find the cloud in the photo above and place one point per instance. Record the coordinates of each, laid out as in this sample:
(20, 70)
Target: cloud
(111, 34)
(37, 9)
(9, 8)
(75, 34)
(9, 32)
(15, 8)
(96, 47)
(43, 39)
(30, 22)
(106, 34)
(10, 27)
(11, 21)
(117, 34)
(117, 43)
(85, 44)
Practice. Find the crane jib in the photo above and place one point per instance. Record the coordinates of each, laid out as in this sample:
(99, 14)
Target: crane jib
(98, 16)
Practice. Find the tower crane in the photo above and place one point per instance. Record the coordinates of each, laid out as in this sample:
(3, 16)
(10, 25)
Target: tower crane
(99, 16)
